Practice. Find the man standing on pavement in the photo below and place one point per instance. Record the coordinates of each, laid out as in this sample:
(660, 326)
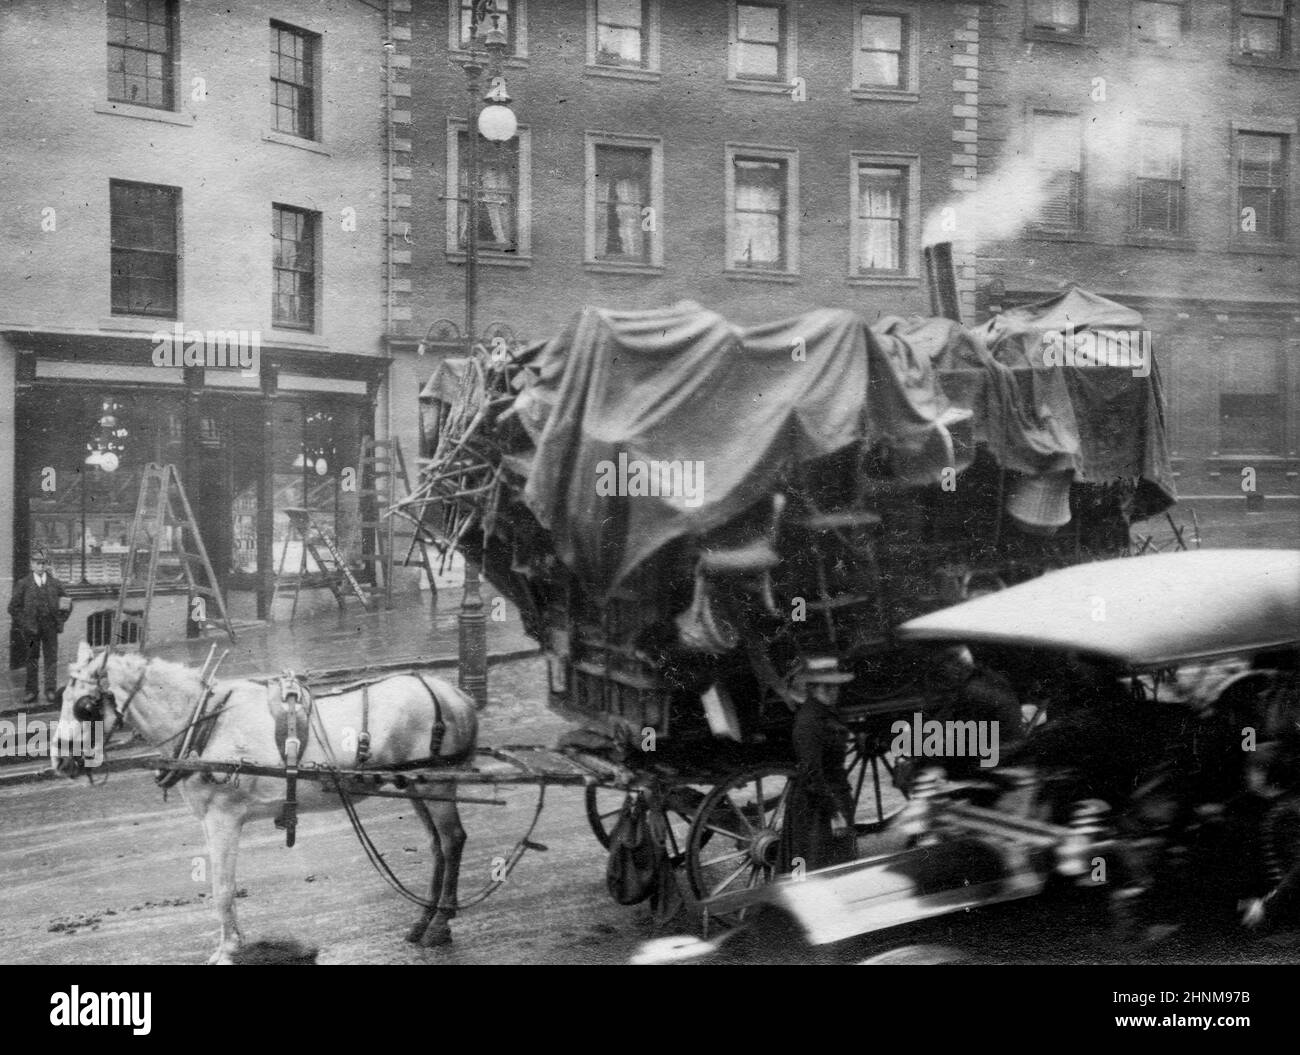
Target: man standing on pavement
(39, 608)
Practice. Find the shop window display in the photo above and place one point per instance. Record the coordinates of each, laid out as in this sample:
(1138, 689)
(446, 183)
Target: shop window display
(87, 448)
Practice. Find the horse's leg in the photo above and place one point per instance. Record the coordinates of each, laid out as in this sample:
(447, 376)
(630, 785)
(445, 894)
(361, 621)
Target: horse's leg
(222, 821)
(421, 925)
(451, 834)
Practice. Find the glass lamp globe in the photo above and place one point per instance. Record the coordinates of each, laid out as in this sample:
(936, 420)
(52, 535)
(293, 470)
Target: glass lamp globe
(497, 123)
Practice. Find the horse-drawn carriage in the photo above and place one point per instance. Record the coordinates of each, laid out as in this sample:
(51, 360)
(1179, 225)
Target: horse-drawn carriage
(691, 516)
(737, 549)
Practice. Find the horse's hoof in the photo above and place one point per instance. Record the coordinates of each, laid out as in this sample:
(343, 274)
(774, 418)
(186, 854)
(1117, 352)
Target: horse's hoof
(435, 935)
(416, 933)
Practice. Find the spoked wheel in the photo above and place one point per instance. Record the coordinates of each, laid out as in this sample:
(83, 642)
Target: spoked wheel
(735, 838)
(876, 797)
(680, 804)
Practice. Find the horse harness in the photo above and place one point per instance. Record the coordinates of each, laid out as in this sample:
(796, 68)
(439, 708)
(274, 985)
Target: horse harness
(197, 732)
(86, 708)
(436, 735)
(291, 709)
(291, 704)
(293, 713)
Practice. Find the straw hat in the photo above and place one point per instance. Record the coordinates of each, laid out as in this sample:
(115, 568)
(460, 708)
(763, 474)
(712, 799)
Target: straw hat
(824, 670)
(1041, 504)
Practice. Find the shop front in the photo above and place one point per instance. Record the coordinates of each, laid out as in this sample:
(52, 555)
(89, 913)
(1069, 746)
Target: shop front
(89, 418)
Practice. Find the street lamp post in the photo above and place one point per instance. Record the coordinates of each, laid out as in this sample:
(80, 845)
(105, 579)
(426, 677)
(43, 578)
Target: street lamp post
(495, 122)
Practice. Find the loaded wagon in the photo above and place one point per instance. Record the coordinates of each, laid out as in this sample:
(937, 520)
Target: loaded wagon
(694, 518)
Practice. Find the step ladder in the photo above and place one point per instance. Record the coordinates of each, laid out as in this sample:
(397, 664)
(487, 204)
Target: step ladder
(385, 482)
(322, 548)
(162, 512)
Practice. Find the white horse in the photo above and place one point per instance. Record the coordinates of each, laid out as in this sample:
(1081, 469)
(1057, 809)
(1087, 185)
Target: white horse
(158, 699)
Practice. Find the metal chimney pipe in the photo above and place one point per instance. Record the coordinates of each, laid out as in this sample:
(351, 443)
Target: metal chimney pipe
(941, 276)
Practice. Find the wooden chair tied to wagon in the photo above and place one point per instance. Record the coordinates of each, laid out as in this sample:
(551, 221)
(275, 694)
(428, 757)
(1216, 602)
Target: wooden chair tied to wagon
(743, 568)
(847, 572)
(750, 564)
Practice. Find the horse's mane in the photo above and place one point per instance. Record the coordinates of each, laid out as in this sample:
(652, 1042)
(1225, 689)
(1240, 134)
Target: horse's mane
(160, 670)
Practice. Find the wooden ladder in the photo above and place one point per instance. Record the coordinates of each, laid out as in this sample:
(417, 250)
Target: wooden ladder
(385, 482)
(321, 547)
(161, 495)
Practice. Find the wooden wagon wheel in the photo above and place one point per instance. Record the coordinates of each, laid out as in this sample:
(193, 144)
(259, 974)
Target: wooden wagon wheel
(604, 804)
(871, 773)
(735, 837)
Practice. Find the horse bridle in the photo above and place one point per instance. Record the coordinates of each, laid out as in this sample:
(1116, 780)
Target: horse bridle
(91, 709)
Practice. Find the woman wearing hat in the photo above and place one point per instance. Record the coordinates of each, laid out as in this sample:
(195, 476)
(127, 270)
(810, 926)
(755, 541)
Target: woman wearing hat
(821, 802)
(39, 608)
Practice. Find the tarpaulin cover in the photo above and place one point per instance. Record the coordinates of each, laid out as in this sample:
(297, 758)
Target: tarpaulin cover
(1103, 423)
(1109, 417)
(736, 408)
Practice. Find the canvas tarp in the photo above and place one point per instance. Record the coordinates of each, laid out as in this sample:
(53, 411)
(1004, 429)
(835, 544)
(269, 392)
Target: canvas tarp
(678, 400)
(681, 385)
(1103, 423)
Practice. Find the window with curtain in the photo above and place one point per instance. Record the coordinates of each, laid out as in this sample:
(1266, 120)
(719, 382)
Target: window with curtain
(1261, 186)
(1250, 403)
(758, 214)
(1159, 192)
(881, 60)
(141, 52)
(1056, 16)
(505, 22)
(142, 226)
(294, 59)
(1058, 157)
(881, 219)
(1160, 22)
(294, 233)
(760, 42)
(1262, 27)
(498, 196)
(621, 27)
(622, 193)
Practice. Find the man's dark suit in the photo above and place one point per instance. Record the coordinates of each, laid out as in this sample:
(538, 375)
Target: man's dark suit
(35, 612)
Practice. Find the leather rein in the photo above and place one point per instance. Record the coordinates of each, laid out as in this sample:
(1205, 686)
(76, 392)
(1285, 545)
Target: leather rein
(197, 720)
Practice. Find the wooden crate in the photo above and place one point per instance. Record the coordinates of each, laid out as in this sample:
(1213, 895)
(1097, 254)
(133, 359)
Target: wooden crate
(606, 680)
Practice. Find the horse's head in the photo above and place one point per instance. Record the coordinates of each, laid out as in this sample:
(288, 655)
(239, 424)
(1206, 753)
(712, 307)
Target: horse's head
(88, 715)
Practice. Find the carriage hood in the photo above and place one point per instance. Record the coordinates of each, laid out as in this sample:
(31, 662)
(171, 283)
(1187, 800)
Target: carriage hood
(1145, 612)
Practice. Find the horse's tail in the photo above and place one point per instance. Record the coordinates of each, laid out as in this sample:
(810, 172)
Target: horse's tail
(463, 703)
